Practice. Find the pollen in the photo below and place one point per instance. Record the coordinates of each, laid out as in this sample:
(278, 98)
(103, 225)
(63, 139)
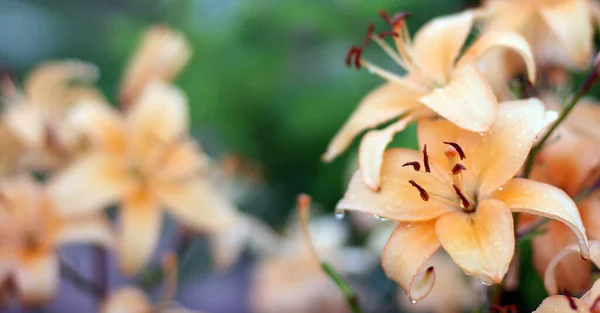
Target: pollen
(463, 200)
(416, 165)
(422, 192)
(458, 149)
(458, 168)
(426, 160)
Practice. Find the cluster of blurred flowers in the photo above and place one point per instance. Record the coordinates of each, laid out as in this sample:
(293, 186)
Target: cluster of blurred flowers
(507, 152)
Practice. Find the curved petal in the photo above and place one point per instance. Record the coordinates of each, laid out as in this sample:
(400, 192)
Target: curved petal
(524, 195)
(405, 253)
(592, 295)
(126, 300)
(550, 273)
(398, 199)
(438, 43)
(386, 102)
(37, 277)
(89, 185)
(572, 273)
(161, 55)
(197, 204)
(481, 243)
(571, 22)
(467, 101)
(158, 117)
(583, 120)
(508, 40)
(371, 150)
(27, 123)
(102, 125)
(556, 304)
(589, 209)
(140, 227)
(95, 228)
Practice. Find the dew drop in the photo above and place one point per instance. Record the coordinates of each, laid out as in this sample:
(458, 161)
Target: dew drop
(485, 283)
(371, 71)
(340, 214)
(501, 188)
(380, 218)
(481, 134)
(413, 301)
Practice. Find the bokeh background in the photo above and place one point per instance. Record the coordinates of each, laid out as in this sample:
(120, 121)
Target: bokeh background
(267, 82)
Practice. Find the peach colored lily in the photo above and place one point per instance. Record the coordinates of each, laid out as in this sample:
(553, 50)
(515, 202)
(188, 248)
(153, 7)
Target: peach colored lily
(559, 31)
(36, 116)
(162, 53)
(461, 197)
(30, 233)
(143, 162)
(571, 162)
(438, 81)
(133, 300)
(588, 303)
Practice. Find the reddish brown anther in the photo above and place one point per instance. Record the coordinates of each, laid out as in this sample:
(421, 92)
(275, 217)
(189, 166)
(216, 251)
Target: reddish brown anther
(385, 16)
(572, 303)
(460, 151)
(458, 168)
(388, 33)
(463, 199)
(422, 192)
(354, 53)
(399, 18)
(416, 165)
(426, 160)
(370, 31)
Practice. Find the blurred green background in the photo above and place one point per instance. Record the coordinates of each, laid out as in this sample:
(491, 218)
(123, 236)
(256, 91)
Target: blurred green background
(267, 79)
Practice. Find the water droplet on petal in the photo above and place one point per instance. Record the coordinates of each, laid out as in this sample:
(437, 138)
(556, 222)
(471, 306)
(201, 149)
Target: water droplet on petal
(379, 217)
(413, 301)
(485, 283)
(340, 214)
(371, 71)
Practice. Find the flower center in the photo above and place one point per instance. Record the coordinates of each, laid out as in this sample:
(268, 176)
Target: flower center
(454, 154)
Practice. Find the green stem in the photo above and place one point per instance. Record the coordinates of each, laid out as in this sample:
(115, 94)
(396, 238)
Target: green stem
(349, 293)
(583, 89)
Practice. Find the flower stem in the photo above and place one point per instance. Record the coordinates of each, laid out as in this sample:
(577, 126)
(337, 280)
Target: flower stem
(531, 229)
(85, 284)
(349, 293)
(583, 89)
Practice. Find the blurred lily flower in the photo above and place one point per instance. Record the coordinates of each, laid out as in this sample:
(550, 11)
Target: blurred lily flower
(145, 162)
(571, 162)
(134, 300)
(461, 197)
(588, 303)
(559, 31)
(36, 116)
(437, 81)
(30, 232)
(162, 53)
(291, 279)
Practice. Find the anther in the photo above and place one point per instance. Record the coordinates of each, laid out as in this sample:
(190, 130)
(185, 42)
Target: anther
(458, 168)
(398, 18)
(571, 301)
(422, 192)
(354, 53)
(460, 151)
(463, 199)
(426, 160)
(385, 16)
(416, 165)
(370, 31)
(388, 33)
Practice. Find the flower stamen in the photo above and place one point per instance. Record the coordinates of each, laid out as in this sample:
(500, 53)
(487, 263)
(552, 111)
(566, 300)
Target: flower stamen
(458, 168)
(463, 200)
(458, 149)
(426, 160)
(416, 165)
(572, 303)
(422, 192)
(354, 54)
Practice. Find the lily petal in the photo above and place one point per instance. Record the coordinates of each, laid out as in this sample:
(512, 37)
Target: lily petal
(508, 40)
(404, 255)
(27, 123)
(388, 101)
(481, 243)
(95, 228)
(37, 277)
(438, 43)
(524, 195)
(161, 55)
(372, 147)
(398, 199)
(556, 304)
(467, 101)
(127, 300)
(571, 22)
(550, 274)
(102, 125)
(584, 118)
(89, 185)
(140, 227)
(589, 209)
(197, 204)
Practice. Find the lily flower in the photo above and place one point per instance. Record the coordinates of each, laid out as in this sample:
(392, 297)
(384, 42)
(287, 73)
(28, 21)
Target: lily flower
(560, 32)
(461, 197)
(588, 303)
(144, 162)
(162, 53)
(437, 82)
(36, 116)
(133, 300)
(30, 233)
(571, 162)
